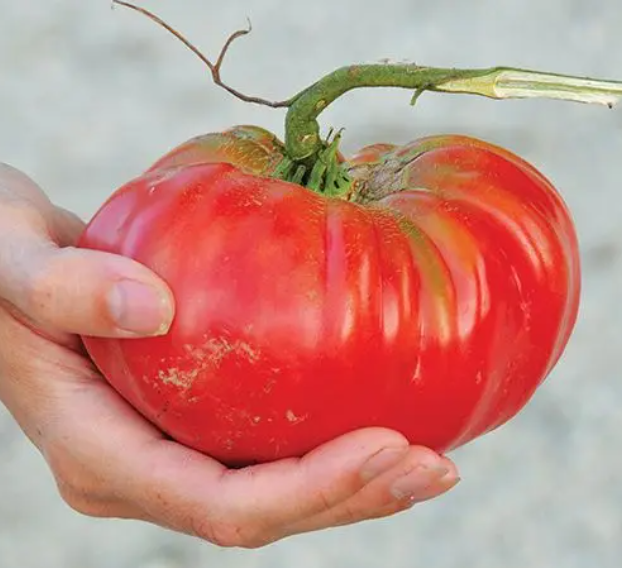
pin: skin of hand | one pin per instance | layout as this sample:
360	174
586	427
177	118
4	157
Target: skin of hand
110	462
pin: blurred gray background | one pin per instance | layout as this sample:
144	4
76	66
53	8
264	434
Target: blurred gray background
90	96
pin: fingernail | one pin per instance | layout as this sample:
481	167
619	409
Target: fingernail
139	309
381	461
419	478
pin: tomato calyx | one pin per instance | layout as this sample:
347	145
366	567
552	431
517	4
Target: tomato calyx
325	174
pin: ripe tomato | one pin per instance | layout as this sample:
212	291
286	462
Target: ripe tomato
433	300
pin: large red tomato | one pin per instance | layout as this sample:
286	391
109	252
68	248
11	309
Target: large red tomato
433	300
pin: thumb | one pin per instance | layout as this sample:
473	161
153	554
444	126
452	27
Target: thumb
82	291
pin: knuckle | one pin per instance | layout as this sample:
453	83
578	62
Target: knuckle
79	488
19	212
326	496
15	182
40	285
205	529
82	502
325	501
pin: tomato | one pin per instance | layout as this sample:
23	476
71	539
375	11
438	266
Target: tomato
433	299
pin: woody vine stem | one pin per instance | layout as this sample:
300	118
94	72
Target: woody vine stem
303	142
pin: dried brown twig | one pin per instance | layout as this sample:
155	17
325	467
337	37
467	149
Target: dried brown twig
215	68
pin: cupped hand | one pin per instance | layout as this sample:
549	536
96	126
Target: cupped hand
106	459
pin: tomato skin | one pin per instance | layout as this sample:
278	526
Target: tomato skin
435	305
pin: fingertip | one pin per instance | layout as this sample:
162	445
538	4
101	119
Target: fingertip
139	308
421	475
129	299
452	468
434	490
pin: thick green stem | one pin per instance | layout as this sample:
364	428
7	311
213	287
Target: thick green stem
302	133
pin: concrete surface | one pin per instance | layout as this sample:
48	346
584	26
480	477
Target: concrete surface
90	96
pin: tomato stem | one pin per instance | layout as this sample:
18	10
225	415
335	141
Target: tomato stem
302	133
313	160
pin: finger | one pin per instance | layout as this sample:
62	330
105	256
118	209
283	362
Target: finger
76	291
258	505
397	490
82	291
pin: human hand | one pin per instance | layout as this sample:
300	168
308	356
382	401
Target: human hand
110	462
